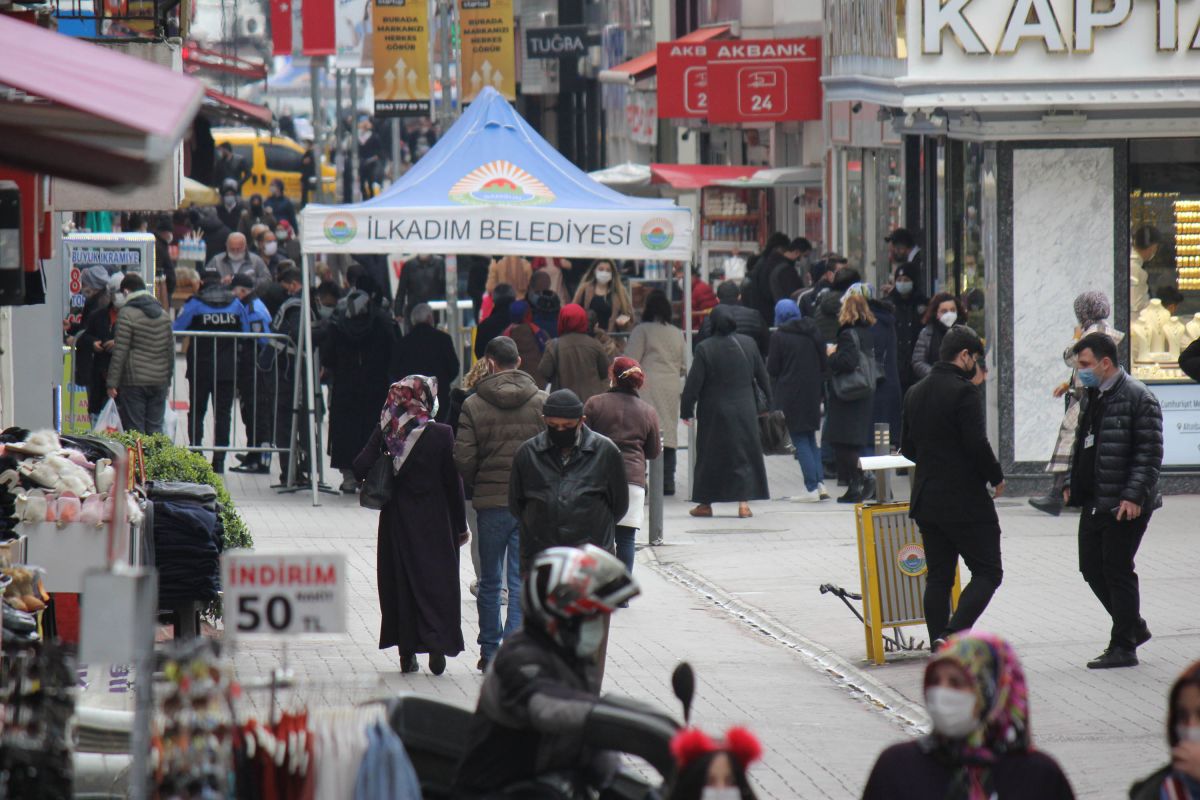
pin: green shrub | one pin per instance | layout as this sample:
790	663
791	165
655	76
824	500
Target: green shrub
167	462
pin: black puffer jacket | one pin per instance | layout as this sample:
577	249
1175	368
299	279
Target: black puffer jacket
1129	447
570	504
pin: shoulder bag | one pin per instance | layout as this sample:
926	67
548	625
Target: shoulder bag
773	431
376	490
859	383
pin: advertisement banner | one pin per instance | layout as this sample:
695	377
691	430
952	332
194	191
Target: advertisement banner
767	80
73	399
683	79
353	34
488	48
400	49
284	594
482	229
115	252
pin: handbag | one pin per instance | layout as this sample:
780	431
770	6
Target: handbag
376	490
773	431
859	383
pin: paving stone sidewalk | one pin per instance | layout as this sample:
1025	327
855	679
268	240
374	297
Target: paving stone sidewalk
1107	728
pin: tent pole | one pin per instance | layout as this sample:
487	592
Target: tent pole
315	70
309	375
453	318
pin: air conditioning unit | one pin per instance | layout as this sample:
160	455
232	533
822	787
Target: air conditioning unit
251	26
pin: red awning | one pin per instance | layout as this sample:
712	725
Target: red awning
88	112
644	66
696	176
198	59
225	108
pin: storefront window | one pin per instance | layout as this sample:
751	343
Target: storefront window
889	208
1164	258
971	280
855	205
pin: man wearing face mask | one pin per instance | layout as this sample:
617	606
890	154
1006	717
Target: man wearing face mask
540	690
280	205
909	304
945	434
1113	480
268	250
238	259
903	249
787	273
231	207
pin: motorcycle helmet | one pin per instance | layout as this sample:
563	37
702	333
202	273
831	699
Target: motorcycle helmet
570	590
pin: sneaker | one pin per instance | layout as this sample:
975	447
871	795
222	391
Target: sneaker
475	588
1114	658
808	497
822	491
349	486
504	597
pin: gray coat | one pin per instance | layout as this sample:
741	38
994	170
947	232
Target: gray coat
729	457
660	349
144	349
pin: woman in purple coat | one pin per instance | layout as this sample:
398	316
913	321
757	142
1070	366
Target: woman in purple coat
420	529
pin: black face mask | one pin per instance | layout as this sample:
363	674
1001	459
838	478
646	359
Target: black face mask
562	438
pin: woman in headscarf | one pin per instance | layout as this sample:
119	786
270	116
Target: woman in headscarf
659	347
1091	312
421	527
603	292
632	424
798	368
1179	780
575	360
530	338
728	381
980	747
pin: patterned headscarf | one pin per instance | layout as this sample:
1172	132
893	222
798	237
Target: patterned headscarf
626	374
411	402
865	289
1091	307
999	683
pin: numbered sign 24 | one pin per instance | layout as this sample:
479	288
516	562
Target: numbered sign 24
284	594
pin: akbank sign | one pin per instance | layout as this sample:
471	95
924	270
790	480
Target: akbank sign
1048	40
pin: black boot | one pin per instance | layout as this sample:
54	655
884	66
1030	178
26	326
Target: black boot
668	458
854	494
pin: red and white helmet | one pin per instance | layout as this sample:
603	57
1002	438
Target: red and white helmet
571	584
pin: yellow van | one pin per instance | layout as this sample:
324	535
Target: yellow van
270	157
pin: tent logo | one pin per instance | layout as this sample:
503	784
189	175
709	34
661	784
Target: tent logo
657	234
340	228
500	183
911	560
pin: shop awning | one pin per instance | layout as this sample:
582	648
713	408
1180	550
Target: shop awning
197	59
688	177
777	177
224	108
87	112
644	66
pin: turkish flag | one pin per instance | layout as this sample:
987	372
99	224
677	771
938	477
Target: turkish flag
319	27
281	27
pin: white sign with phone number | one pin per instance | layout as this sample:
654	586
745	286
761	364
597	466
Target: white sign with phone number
284	594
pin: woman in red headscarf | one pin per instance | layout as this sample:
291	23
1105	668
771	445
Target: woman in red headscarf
575	360
632	424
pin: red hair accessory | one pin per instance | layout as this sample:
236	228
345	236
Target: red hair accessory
692	743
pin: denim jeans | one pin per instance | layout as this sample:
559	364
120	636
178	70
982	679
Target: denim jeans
499	548
810	459
627	546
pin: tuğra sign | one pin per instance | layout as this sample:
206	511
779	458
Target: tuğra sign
568	41
1049	41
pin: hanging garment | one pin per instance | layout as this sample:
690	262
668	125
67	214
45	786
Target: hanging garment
386	773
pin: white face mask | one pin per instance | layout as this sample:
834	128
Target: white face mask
230	201
952	711
591	634
324	312
904	288
237	257
1188	733
270	248
949	318
603	277
721	793
281	234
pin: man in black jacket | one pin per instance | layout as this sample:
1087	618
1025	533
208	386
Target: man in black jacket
568	483
749	322
422	279
1114	481
945	434
425	350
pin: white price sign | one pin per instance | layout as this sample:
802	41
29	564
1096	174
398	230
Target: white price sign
284	594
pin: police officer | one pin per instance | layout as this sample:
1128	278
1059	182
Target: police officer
256	395
211	363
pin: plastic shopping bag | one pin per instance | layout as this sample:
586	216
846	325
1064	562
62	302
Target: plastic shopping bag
109	420
171	423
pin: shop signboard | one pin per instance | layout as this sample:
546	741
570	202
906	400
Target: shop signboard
73	399
488	48
1180	404
283	594
683	79
116	252
767	80
565	41
400	52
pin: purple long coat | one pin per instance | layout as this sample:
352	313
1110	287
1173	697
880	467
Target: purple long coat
417	560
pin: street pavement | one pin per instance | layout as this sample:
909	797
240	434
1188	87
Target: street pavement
739	600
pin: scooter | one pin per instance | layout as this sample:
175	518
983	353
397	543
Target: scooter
435	734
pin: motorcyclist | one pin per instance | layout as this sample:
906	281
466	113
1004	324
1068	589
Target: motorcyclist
543	683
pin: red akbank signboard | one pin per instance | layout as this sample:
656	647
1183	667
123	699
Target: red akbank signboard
683	79
758	80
